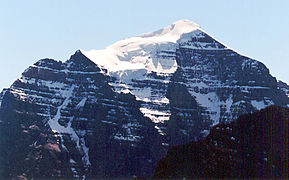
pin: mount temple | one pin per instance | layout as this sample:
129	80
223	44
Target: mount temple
115	112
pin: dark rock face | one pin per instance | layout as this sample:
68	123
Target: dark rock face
254	146
211	87
212	84
284	87
64	120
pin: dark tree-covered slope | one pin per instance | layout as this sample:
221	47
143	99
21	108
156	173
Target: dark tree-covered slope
254	146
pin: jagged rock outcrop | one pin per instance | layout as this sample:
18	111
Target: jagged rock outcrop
284	87
254	146
64	117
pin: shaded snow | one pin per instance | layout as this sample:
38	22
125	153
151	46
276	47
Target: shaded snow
1	96
54	125
67	94
258	104
159	131
155	115
81	103
85	158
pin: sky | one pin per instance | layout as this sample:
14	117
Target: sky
31	30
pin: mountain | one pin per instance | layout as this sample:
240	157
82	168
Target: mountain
115	112
65	117
180	72
254	146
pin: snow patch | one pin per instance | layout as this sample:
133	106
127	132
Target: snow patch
60	130
2	94
127	138
81	103
205	133
85	158
211	102
159	130
155	115
258	104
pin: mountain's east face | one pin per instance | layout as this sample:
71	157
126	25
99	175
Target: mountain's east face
114	112
254	146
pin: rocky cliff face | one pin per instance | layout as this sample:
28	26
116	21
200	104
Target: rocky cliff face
254	146
219	86
284	87
115	112
67	114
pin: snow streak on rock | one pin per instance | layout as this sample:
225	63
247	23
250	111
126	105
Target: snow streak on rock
60	129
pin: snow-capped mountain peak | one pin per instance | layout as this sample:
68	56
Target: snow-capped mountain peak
145	51
141	52
174	31
136	60
176	82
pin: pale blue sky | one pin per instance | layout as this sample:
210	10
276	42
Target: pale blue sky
33	29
